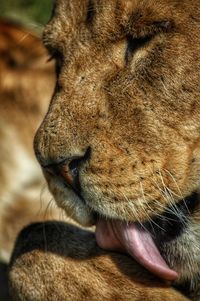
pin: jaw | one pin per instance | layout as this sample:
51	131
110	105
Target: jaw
180	248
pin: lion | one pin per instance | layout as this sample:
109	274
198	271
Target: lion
120	149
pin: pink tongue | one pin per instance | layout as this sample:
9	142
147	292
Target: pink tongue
117	235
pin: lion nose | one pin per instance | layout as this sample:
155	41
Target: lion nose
68	171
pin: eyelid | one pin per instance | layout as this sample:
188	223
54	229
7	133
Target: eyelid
133	44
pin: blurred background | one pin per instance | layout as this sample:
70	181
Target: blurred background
32	13
22	55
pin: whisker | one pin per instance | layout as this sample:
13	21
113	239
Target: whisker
47	208
135	213
165	194
150	220
175	182
177	211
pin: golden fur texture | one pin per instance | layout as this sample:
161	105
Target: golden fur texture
127	102
23	101
69	266
136	110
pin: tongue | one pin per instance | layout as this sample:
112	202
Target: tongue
120	236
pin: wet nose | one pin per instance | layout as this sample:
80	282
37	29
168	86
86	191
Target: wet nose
68	171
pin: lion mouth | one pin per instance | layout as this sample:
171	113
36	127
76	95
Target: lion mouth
136	241
143	241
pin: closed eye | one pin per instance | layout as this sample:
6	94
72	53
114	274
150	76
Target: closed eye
133	44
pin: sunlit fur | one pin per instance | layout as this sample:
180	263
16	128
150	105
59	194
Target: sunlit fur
137	110
139	116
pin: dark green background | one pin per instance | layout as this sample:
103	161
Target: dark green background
33	13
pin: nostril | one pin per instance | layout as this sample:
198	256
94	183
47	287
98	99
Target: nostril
73	167
68	170
75	163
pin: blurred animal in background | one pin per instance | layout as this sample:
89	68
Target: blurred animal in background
26	84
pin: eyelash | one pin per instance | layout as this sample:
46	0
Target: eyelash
133	44
57	56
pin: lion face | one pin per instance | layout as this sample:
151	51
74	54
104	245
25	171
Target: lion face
121	139
127	95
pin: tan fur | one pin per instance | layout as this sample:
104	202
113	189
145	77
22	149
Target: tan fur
139	114
140	117
56	262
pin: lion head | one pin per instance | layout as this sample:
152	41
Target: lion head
121	139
